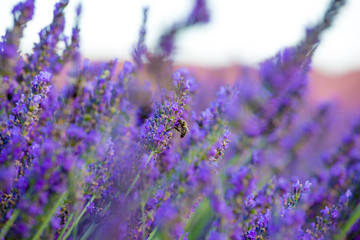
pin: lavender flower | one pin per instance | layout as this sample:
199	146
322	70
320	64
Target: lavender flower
156	133
140	49
22	13
198	15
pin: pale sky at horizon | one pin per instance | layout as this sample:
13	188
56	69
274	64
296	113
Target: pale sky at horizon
240	31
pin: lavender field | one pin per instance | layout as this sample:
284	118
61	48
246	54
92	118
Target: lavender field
141	149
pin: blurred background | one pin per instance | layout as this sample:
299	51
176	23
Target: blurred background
240	33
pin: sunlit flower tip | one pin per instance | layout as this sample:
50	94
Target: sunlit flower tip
345	197
177	78
307	186
36	99
250	201
180	81
296	185
41	78
227	134
325	212
348	193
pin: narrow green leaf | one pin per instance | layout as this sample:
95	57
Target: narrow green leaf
66	225
77	220
9	223
89	231
48	217
350	222
153	233
199	220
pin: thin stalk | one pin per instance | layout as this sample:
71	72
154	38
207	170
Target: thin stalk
93	225
138	175
77	220
132	184
350	222
143	219
74	232
89	231
66	225
48	217
151	236
9	223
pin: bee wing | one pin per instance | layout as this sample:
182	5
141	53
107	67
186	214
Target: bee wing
187	131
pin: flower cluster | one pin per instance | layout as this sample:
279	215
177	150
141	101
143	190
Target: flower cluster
156	133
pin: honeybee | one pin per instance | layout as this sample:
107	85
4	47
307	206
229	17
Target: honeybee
181	127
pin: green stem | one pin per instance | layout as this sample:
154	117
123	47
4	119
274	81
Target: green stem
48	217
132	184
77	220
89	231
74	232
9	223
66	225
138	176
350	222
151	236
117	194
143	219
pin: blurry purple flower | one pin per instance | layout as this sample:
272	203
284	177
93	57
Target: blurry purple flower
251	234
199	14
215	235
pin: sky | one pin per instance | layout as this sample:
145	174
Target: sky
240	31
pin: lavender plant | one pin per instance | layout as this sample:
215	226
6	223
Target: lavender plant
104	156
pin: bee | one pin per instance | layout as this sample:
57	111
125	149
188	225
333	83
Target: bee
181	127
